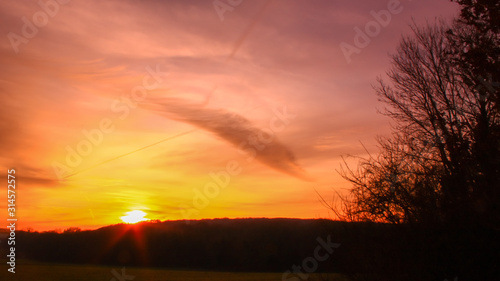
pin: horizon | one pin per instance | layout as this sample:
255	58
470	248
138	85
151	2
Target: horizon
60	230
187	221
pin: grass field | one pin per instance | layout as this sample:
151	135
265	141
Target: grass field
30	271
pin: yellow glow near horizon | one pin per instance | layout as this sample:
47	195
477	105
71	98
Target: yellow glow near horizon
134	216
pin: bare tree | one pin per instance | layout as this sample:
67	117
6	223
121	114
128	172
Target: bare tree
442	163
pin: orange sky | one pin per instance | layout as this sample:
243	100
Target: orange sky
183	111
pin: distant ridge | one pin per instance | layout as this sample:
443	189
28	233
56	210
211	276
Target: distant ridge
244	244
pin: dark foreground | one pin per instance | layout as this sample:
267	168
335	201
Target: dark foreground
225	249
65	272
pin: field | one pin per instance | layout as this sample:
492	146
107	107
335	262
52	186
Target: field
28	271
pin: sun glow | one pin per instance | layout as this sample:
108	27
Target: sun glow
134	216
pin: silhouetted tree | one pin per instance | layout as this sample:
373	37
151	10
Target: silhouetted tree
442	163
476	43
72	230
476	50
484	15
439	172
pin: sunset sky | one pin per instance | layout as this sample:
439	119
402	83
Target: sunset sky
189	109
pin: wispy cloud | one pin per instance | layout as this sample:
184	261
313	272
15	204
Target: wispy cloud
232	128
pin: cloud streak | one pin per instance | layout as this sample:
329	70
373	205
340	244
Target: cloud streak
230	127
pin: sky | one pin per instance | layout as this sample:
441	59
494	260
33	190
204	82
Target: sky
191	109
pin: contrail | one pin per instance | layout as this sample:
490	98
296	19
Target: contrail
137	150
247	31
234	50
239	43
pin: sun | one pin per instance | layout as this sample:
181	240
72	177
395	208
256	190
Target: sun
134	216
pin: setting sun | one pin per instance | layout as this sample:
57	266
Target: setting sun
134	217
